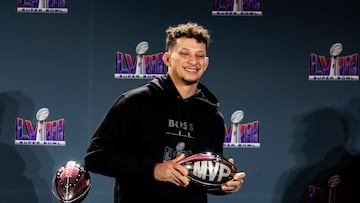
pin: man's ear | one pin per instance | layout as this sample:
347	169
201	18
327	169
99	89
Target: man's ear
206	63
166	58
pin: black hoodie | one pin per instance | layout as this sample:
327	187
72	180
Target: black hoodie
149	125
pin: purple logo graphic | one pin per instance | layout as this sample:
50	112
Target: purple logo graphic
42	6
142	67
236	8
42	133
244	135
336	67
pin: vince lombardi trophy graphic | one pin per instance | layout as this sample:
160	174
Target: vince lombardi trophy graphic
335	50
41	116
237	5
141	49
43	3
179	148
236	118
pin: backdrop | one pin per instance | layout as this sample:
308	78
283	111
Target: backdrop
259	64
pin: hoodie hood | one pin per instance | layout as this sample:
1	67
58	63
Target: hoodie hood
203	94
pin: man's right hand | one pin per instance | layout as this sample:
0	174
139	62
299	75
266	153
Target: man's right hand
171	171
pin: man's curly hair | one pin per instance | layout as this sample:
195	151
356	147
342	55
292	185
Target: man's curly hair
189	30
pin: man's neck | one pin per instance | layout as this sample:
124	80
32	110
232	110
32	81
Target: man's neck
186	91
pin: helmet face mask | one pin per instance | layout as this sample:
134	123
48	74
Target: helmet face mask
71	182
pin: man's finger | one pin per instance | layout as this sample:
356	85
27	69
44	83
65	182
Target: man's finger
181	156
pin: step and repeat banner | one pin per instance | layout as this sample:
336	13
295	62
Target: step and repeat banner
286	75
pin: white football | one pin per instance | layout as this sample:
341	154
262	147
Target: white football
142	47
336	49
237	116
42	114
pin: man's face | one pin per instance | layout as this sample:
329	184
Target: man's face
186	61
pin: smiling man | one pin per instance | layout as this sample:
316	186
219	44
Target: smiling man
149	129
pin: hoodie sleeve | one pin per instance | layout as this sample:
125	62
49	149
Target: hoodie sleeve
218	146
112	151
220	131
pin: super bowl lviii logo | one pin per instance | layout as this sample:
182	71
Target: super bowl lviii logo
42	6
42	133
237	8
142	66
242	135
335	67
